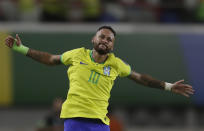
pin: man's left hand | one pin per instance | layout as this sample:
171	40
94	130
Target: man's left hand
182	89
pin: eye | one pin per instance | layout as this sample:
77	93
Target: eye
109	39
102	36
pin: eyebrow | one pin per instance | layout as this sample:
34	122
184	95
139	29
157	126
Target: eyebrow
106	35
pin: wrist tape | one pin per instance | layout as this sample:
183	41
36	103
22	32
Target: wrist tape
21	48
168	86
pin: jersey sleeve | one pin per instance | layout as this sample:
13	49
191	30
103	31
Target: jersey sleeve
67	57
124	69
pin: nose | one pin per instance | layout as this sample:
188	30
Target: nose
104	41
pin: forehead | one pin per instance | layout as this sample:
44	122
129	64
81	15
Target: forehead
105	32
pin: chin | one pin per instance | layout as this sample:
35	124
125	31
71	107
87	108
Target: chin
102	52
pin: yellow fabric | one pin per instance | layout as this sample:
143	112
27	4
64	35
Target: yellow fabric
90	84
6	95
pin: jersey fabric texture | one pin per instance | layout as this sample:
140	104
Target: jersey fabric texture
90	84
83	124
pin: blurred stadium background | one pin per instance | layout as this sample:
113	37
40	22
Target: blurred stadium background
163	38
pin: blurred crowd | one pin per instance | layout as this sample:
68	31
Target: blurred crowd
139	11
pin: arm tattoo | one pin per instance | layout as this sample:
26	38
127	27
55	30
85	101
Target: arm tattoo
151	82
43	57
147	80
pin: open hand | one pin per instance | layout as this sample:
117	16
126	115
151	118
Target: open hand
9	41
182	89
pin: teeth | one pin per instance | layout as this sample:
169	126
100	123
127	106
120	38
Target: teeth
104	45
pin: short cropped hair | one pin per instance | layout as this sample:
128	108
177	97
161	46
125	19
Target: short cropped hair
107	27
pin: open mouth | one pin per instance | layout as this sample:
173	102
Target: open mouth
103	46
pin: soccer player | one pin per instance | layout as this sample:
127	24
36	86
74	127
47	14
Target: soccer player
91	74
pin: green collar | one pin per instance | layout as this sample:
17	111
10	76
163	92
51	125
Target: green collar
92	59
91	56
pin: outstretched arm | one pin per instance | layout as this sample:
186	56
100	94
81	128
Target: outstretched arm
177	87
42	57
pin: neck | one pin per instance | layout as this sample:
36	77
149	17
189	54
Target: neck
98	58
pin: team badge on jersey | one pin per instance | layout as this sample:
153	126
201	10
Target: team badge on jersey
106	70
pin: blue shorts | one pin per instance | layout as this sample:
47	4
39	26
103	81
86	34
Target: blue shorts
85	124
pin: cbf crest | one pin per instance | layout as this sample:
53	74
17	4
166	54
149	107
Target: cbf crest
106	70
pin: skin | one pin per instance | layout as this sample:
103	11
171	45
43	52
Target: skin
42	57
103	42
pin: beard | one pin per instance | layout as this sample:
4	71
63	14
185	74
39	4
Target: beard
100	50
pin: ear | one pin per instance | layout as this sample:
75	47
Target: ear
93	39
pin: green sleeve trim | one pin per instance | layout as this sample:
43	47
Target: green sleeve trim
91	55
130	71
21	48
61	59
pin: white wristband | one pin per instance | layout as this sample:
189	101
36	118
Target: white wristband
168	86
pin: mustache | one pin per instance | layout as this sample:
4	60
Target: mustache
103	44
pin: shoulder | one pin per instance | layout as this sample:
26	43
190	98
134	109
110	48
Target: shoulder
68	56
116	61
122	67
119	61
76	51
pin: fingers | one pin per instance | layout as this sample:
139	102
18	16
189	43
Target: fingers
188	89
9	41
187	86
184	94
18	40
190	92
183	89
178	82
187	93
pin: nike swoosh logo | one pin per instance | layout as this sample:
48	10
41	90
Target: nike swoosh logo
83	63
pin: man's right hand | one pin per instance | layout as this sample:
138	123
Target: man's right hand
16	44
11	40
42	57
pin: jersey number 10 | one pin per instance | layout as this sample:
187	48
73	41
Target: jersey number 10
94	77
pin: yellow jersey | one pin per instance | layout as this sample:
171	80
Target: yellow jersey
90	84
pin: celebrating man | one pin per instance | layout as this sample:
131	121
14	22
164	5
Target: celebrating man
91	74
